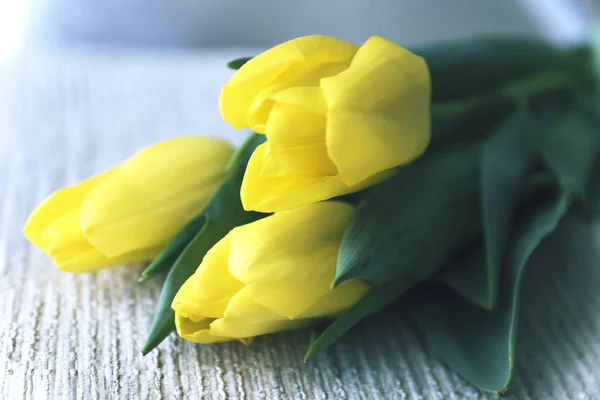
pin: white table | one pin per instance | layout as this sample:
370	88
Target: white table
66	115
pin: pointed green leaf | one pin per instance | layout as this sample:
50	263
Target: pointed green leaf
223	213
506	159
373	301
164	318
165	259
408	226
238	62
467	273
479	344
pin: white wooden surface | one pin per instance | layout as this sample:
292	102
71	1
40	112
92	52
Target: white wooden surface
67	115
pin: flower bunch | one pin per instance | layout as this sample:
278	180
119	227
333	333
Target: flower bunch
374	175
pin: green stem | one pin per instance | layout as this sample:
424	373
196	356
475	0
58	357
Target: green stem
577	74
459	119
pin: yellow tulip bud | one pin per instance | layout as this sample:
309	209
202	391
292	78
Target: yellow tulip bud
268	276
337	117
130	212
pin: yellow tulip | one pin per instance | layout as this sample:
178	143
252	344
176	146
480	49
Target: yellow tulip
337	117
268	276
129	213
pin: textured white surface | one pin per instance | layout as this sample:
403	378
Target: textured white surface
68	115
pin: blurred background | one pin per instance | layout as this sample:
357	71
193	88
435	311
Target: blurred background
217	23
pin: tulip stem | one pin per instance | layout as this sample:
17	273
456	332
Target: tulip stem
474	116
573	68
515	90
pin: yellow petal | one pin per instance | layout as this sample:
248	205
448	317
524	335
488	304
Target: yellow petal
309	98
153	194
379	114
207	293
266	189
302	91
197	332
267	192
64	235
338	300
184	303
56	205
280	64
288	260
296	139
90	259
67	245
261	107
245	318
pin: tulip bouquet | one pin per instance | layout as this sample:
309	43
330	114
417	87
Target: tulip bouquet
374	175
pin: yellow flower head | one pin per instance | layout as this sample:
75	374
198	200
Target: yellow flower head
337	117
268	276
130	212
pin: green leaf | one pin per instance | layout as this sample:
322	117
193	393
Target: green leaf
506	159
551	128
238	62
169	254
590	195
466	273
464	68
592	199
479	344
164	318
596	50
408	226
373	301
571	150
242	154
223	213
